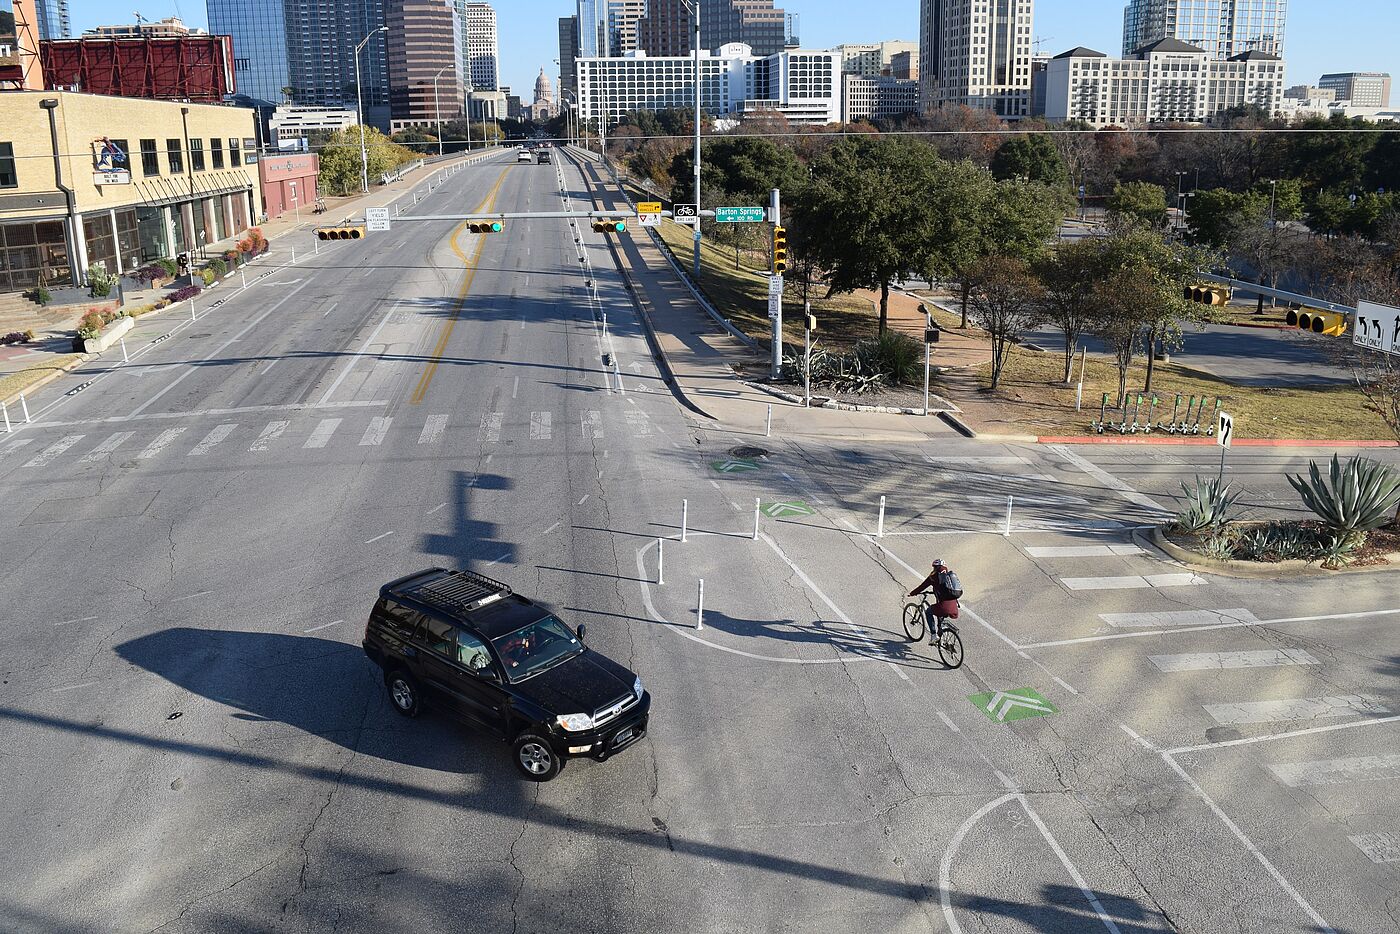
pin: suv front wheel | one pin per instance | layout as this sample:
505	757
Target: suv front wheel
403	693
535	758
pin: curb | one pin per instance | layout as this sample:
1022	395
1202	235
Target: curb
45	380
1199	441
842	406
1250	570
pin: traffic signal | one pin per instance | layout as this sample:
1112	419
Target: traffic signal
1205	294
780	259
609	226
352	232
811	322
1318	322
485	226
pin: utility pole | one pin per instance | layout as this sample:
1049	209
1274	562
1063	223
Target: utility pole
360	103
694	7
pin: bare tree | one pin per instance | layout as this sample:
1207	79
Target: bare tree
1069	274
1005	297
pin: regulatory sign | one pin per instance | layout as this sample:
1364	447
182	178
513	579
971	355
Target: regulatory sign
1224	431
793	507
1012	704
377	219
775	296
648	207
685	213
748	215
1377	327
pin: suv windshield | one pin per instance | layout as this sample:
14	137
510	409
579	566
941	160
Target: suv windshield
535	647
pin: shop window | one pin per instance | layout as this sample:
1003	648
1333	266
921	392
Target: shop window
176	155
150	158
216	152
235	155
8	178
197	155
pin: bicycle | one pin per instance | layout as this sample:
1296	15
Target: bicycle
949	642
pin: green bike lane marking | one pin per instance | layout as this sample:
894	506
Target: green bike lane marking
1012	704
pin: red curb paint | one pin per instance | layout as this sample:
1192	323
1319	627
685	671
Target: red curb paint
1238	442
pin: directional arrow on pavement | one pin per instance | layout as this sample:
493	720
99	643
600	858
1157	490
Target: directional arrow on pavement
733	465
1012	704
635	367
794	507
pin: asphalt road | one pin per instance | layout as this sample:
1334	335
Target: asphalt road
192	740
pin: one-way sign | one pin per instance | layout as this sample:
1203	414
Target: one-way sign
1224	431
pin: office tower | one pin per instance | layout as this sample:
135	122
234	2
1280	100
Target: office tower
1360	88
568	52
426	62
622	25
967	56
51	17
766	29
592	28
1224	28
479	34
666	29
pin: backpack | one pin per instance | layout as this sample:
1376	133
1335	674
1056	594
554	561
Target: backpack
949	585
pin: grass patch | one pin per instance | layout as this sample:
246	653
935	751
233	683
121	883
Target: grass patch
17	382
1244	314
1037	404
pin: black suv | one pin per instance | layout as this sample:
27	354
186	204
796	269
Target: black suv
483	653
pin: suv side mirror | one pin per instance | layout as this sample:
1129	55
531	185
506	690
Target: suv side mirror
581	630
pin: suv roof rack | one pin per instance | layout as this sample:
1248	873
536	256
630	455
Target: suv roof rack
460	590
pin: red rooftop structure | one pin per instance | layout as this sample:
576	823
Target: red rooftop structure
186	68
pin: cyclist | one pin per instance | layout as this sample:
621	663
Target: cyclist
946	589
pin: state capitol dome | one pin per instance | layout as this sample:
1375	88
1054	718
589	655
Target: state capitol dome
544	90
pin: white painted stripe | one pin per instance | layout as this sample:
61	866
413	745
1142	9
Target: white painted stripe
1022	499
1286	734
1084	551
433	429
190	596
1147	633
161	441
1171	618
211	439
355	357
321	434
378	537
541	427
948	721
53	450
592	424
1133	581
106	447
378	428
1338	771
80	619
203	413
1203	661
1107	479
638	423
491	426
977	459
1060	681
324	626
14	446
1297	708
436	508
269	435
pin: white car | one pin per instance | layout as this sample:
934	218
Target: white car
524	156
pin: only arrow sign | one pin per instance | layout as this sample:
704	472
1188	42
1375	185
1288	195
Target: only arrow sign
1012	704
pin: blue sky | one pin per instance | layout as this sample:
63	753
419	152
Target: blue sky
1338	35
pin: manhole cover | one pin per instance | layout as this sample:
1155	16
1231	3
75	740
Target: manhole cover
748	451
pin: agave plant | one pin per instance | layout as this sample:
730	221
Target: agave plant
1353	499
1208	505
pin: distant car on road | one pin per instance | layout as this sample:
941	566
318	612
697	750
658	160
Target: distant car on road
545	157
524	156
473	648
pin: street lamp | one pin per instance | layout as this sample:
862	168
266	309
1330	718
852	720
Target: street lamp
569	114
437	108
693	7
360	103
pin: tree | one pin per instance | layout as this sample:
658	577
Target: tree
1142	201
340	159
1005	297
1032	158
413	137
1211	215
747	167
1068	275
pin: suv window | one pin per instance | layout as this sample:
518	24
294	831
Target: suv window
472	652
441	637
533	648
401	619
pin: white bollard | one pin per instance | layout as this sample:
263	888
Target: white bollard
25	406
768	425
6	410
294	256
191	307
125	358
1007	533
685	503
880	525
700	607
243	277
755	518
660	561
316	245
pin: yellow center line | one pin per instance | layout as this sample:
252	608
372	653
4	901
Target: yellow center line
469	273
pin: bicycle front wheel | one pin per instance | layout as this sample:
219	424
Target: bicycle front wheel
914	621
950	647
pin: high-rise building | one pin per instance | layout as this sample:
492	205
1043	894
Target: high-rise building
666	29
1359	88
976	53
568	52
756	23
426	56
51	16
592	28
622	25
479	34
1224	28
873	59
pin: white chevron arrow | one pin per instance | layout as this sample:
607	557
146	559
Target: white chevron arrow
1002	703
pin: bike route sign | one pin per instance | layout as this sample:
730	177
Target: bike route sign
747	215
1012	704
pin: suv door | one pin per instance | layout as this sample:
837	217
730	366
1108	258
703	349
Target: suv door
466	692
482	690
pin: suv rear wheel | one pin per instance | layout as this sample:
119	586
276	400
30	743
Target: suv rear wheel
403	693
535	758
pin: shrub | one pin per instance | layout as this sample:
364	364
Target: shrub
208	276
231	258
17	337
245	246
897	357
179	295
140	310
218	267
100	281
171	269
40	293
29	335
1352	499
148	274
1208	506
161	303
94	321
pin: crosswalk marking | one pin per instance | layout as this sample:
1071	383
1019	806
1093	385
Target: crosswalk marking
106	447
491	426
378	428
638	423
1297	708
541	428
592	424
1338	771
211	439
53	450
1084	551
269	435
433	429
1133	581
14	446
1170	618
321	434
1203	661
158	445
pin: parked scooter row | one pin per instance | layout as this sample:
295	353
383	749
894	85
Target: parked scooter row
1178	424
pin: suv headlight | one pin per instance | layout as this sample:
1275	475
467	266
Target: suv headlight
637	687
574	722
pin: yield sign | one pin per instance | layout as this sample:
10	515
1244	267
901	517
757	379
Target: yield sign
733	465
1012	704
793	507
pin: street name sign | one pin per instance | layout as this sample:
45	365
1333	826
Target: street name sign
747	215
1377	327
377	219
685	213
775	296
1012	704
1224	431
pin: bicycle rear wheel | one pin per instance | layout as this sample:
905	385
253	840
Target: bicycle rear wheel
950	647
914	621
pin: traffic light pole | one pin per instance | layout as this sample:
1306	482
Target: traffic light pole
775	217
